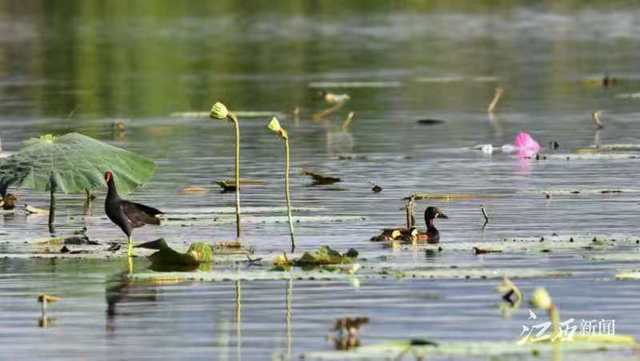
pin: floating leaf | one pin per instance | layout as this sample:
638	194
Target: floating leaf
229	185
473	273
615	257
448	197
166	258
320	179
629	275
325	256
76	162
485	349
225	276
603	148
592	156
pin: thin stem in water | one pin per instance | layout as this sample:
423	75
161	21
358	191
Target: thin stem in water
496	98
52	203
287	194
234	120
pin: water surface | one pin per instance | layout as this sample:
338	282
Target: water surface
81	65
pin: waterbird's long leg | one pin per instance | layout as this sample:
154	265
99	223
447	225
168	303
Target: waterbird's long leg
130	246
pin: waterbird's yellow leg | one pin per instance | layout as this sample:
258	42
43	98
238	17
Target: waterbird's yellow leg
130	247
130	264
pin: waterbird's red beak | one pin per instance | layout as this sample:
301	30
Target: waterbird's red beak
108	176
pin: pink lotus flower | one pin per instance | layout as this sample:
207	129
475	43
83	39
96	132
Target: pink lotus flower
525	145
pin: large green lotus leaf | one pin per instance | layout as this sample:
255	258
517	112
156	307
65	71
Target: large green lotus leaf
77	163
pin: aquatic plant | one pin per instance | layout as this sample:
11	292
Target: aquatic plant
323	256
220	111
321	179
275	127
496	98
596	119
168	259
45	299
72	163
541	299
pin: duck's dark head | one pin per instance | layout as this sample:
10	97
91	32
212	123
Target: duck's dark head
433	212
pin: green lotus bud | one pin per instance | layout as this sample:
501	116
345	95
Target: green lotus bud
541	299
274	126
219	111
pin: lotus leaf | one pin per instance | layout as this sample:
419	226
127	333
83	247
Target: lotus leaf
75	163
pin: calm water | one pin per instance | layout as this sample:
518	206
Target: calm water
81	65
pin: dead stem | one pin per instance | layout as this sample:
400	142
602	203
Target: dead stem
496	98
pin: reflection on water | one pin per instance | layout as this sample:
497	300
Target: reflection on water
88	65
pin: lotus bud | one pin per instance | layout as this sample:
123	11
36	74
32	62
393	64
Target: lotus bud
541	299
274	126
219	111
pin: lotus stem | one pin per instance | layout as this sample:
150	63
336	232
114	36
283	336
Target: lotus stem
274	126
238	314
410	210
541	299
496	98
234	120
596	119
347	121
289	314
554	315
287	193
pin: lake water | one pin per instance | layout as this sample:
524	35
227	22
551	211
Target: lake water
81	65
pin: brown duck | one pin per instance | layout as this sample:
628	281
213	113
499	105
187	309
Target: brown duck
432	235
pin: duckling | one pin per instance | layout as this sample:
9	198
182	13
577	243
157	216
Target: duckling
412	234
8	202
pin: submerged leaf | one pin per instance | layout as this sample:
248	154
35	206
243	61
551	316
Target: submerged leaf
325	256
75	162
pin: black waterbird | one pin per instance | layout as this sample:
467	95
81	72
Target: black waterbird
127	215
